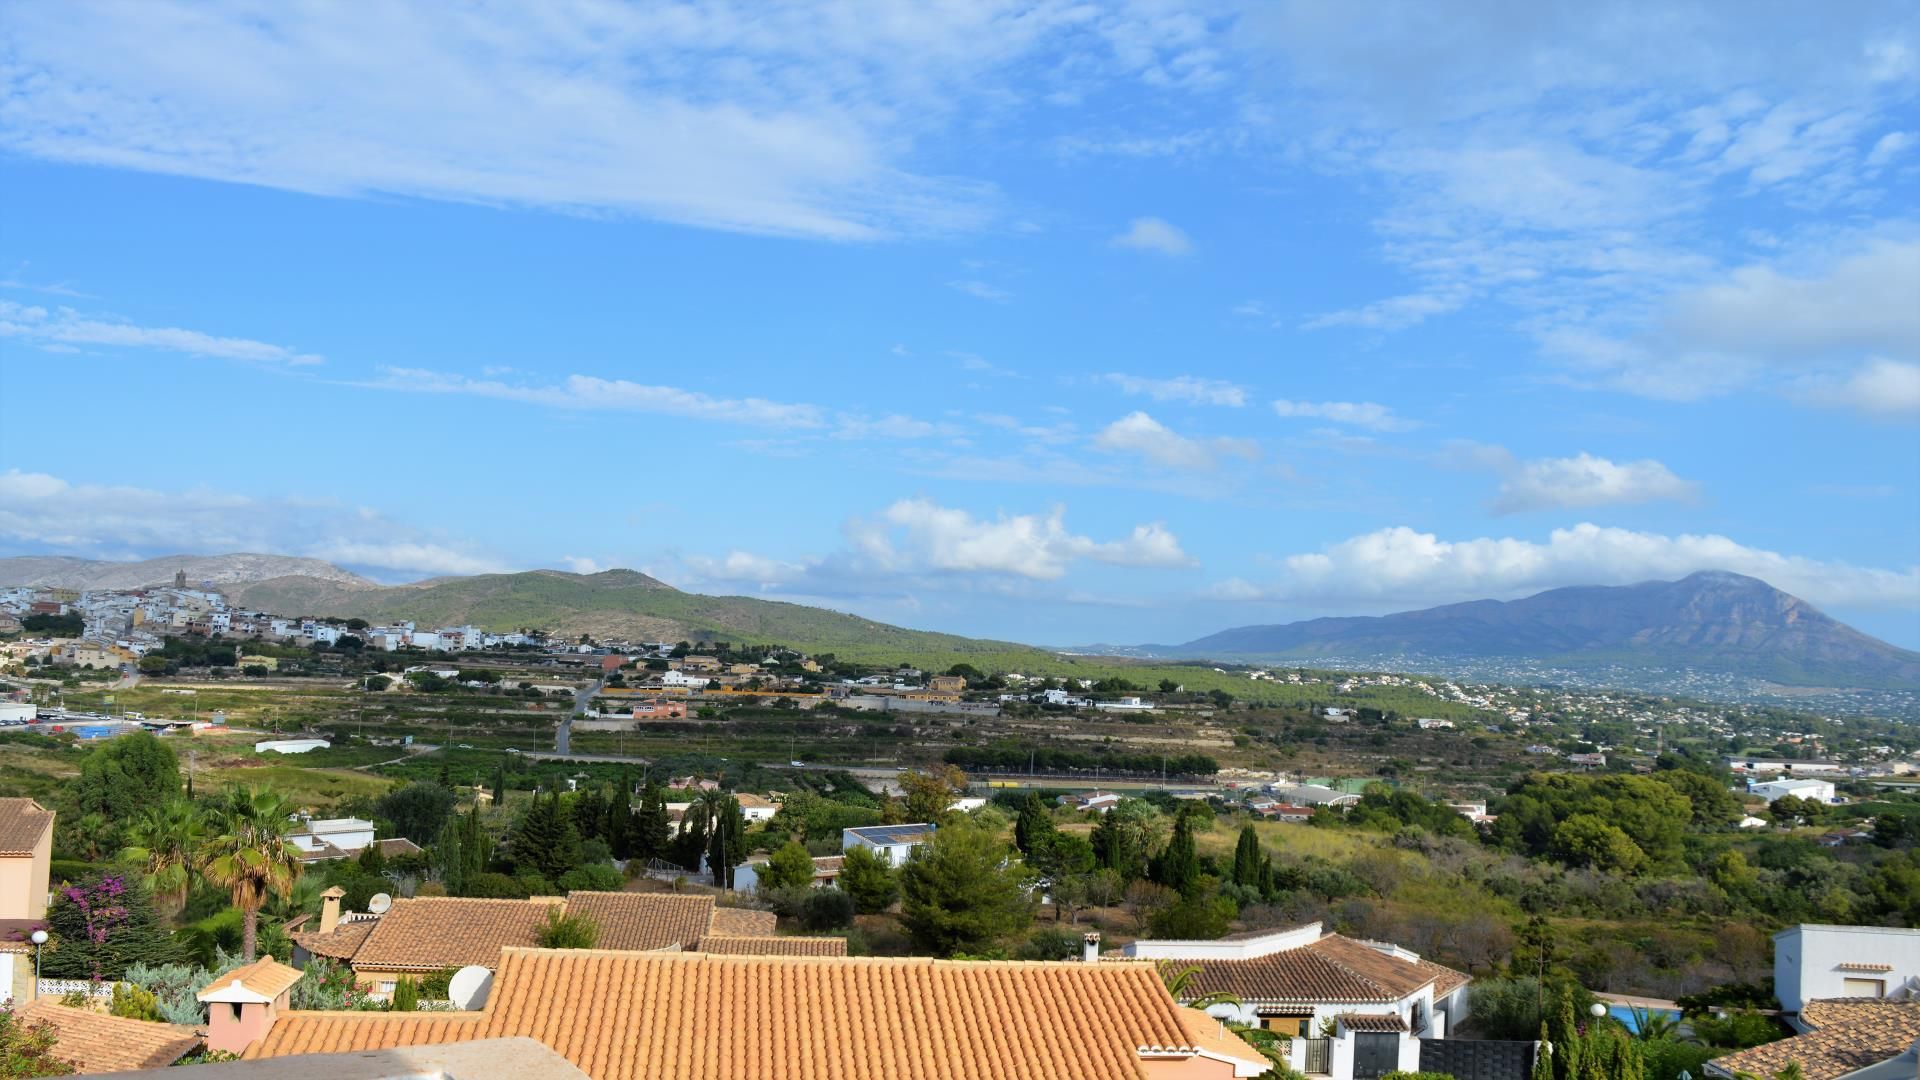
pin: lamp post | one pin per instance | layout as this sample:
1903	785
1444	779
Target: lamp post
39	938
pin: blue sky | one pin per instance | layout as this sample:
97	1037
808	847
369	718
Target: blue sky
1058	322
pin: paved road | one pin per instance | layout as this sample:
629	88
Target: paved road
563	738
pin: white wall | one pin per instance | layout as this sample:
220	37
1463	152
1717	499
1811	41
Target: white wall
1243	949
1807	959
7	960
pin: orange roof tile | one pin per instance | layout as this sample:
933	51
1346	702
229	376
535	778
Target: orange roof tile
772	945
22	823
1211	1037
265	977
1848	1034
96	1043
341	943
742	922
1332	969
629	920
430	933
697	1016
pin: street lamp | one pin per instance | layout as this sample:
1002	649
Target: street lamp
1597	1010
39	938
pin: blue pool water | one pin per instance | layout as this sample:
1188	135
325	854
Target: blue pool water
1625	1014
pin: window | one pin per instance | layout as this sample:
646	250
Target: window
1419	1016
1283	1025
1870	988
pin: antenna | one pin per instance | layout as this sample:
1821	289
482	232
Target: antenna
469	987
379	903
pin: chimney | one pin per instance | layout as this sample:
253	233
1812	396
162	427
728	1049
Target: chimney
1090	951
330	909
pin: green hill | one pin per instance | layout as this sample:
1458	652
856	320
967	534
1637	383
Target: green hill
618	604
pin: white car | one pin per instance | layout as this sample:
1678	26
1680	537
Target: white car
797	764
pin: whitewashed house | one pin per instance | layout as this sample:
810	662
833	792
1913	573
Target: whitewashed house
896	842
1815	790
1811	962
1349	1008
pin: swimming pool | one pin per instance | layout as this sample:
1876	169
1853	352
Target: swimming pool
1626	1015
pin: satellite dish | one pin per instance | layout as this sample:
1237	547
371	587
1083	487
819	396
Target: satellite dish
469	987
379	903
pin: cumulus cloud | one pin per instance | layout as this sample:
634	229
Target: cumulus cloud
1138	433
618	395
1366	414
1154	235
1400	567
45	512
66	330
1585	481
1188	388
921	532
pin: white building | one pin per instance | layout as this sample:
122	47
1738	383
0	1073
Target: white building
1814	790
1811	962
826	871
1378	999
896	842
347	834
290	746
1125	704
681	678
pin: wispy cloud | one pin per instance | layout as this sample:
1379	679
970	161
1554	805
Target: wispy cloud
1142	435
981	290
1187	388
617	395
43	512
1154	235
1363	414
66	330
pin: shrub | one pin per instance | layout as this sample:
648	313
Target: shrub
598	878
1049	944
826	909
866	876
134	1003
406	995
492	886
567	931
434	987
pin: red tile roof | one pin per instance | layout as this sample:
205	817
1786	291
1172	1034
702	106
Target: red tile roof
98	1043
1848	1034
22	823
1332	969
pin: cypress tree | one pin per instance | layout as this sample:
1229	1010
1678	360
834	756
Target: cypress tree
1034	825
545	840
727	846
1542	1056
1246	859
1178	865
652	829
500	782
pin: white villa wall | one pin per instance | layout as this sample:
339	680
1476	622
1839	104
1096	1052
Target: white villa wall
1807	959
1243	949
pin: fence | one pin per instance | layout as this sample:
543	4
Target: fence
1319	1056
62	987
1477	1059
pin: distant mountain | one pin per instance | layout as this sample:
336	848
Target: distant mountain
60	572
612	603
1710	621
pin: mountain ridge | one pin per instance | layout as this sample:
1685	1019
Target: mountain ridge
68	572
1711	620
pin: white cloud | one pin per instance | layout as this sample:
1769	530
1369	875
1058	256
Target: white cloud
63	329
1401	568
1138	433
1585	480
582	564
981	290
1880	386
1187	388
1393	313
1366	414
1890	146
919	532
1153	234
46	512
619	395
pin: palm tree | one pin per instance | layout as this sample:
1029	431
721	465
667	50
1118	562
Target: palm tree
1650	1026
1179	981
164	840
250	856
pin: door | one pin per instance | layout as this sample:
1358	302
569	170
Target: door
1375	1054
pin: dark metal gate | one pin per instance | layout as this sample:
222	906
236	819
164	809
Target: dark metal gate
1319	1056
1478	1059
1375	1054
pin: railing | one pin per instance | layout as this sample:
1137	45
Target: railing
1319	1056
61	987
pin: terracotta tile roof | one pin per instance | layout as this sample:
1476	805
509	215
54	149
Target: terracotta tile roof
430	933
1849	1034
1373	1021
97	1043
642	920
771	945
742	922
1332	969
1445	979
794	1018
1209	1036
341	943
22	823
265	977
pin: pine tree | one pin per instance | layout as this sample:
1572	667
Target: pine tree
1247	859
545	839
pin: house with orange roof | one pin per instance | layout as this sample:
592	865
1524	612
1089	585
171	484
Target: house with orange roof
243	1004
1350	1009
26	860
702	1016
429	934
1841	1039
95	1042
